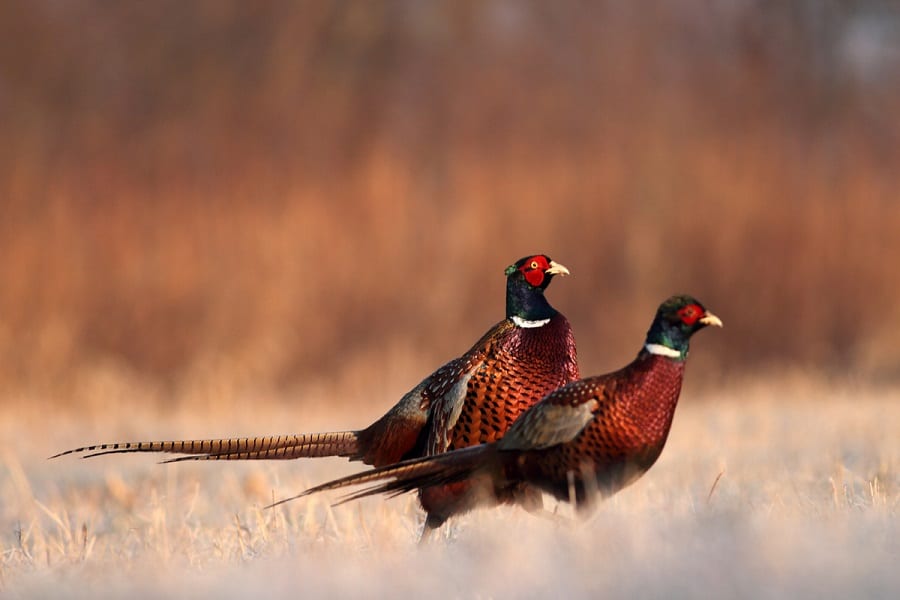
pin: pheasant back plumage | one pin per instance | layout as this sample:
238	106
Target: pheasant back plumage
632	414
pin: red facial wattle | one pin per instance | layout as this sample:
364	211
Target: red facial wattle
690	314
533	270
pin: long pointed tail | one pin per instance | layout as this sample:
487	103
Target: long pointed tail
413	474
302	445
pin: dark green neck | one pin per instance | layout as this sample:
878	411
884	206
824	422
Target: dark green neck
526	301
670	336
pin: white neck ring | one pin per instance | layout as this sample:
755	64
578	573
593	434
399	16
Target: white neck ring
661	350
519	321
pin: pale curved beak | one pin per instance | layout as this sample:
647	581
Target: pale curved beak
710	319
557	269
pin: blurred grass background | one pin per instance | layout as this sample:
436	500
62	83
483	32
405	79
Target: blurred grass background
231	218
276	194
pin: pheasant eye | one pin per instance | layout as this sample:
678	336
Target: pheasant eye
534	264
690	313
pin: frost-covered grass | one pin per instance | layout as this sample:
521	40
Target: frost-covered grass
780	491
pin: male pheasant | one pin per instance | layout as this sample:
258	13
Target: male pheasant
470	400
587	439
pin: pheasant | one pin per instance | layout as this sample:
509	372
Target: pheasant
586	440
470	400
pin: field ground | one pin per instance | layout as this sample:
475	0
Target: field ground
807	505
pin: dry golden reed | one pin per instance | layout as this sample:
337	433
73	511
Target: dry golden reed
271	194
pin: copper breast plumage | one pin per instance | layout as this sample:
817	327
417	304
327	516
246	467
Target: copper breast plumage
521	368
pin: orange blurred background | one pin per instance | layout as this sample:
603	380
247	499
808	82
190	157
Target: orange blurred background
277	190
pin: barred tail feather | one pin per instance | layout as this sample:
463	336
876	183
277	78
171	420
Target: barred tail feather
410	475
314	445
306	445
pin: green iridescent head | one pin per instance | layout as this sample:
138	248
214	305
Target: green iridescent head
677	319
526	280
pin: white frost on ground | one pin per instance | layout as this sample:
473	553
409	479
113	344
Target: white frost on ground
808	507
